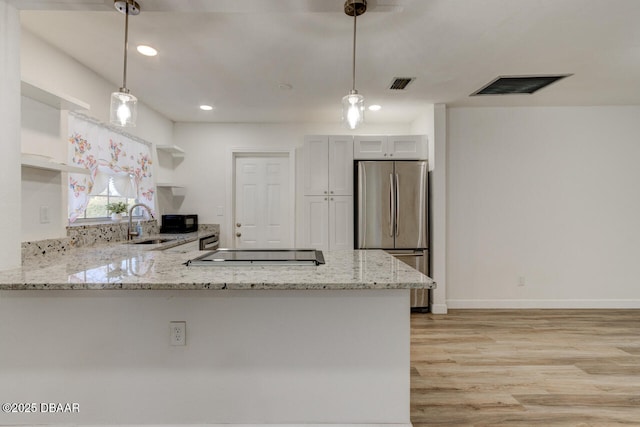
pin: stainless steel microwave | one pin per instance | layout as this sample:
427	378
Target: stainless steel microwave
179	223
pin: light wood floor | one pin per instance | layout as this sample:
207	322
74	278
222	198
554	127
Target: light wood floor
526	368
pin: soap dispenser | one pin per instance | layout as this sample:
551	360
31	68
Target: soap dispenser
139	229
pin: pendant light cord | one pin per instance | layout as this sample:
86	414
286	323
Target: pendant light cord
126	43
355	16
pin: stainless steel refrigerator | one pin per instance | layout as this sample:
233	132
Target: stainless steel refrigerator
392	214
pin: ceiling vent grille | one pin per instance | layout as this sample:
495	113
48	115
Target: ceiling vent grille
510	85
401	83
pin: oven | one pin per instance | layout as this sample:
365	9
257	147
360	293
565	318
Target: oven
210	243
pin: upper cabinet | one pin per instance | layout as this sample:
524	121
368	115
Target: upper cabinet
328	162
395	147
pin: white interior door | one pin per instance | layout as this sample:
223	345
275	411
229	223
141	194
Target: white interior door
262	203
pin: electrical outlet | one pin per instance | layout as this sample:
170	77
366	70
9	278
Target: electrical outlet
521	280
178	333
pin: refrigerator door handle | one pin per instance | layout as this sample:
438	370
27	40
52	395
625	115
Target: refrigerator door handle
397	216
392	207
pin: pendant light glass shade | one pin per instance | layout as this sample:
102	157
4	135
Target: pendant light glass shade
124	109
353	110
124	106
353	102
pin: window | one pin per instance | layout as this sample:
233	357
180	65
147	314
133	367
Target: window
97	206
119	166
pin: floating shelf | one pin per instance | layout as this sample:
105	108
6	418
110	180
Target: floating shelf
174	150
41	162
168	185
52	98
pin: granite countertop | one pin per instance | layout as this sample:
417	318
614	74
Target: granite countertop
126	266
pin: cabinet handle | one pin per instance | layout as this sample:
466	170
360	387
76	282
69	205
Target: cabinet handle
391	155
238	224
331	198
331	192
385	154
325	198
238	234
325	192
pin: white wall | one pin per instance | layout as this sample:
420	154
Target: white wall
424	124
44	128
267	357
9	136
433	123
204	170
547	194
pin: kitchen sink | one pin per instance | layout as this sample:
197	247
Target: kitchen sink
149	241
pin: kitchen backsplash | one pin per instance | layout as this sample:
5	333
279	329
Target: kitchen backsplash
95	234
91	235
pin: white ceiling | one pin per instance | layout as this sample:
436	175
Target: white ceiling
234	54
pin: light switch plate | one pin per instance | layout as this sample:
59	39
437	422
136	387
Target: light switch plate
44	215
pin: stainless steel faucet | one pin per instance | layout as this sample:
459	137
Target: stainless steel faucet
130	233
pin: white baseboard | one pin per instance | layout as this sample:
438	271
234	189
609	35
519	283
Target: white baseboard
439	308
247	425
542	303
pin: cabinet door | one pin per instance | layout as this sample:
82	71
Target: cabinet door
340	222
316	165
316	223
341	165
407	147
370	147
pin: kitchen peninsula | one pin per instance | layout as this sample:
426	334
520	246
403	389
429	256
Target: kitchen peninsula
325	344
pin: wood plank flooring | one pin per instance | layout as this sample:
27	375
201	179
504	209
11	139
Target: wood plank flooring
526	368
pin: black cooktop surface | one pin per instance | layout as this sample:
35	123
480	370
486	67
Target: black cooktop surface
234	257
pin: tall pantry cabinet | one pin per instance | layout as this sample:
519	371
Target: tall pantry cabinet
328	193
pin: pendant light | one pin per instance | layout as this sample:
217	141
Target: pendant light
123	111
353	102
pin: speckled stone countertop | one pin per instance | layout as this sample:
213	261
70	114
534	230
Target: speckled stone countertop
131	267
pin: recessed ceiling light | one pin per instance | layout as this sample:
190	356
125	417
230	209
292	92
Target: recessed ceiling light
375	107
206	107
285	86
147	50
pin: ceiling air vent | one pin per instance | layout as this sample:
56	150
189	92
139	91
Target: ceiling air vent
509	85
401	83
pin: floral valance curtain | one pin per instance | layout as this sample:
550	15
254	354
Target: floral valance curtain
106	152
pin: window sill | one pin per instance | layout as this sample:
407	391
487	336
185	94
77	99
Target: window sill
106	221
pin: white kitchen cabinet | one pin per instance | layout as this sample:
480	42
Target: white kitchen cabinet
340	222
394	147
328	165
316	218
328	222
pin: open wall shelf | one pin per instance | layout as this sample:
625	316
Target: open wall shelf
41	162
52	98
174	150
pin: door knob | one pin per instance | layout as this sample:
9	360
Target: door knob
238	224
238	234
